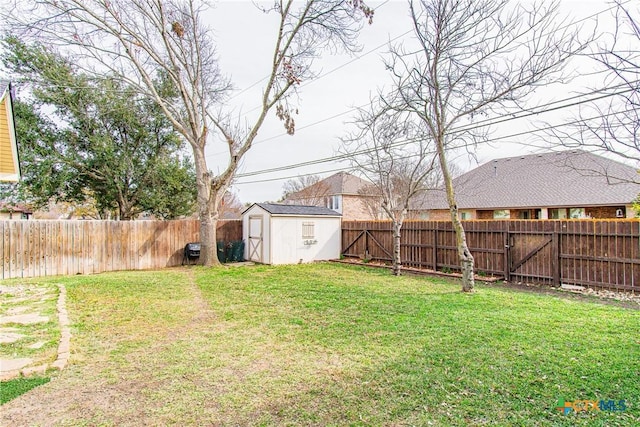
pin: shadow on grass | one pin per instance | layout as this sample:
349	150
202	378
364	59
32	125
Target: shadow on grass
11	389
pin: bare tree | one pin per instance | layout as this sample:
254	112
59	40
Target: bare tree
474	57
146	41
305	190
398	170
231	207
612	125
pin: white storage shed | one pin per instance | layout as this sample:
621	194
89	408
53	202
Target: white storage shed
290	234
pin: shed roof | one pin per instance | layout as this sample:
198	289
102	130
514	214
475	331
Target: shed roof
566	178
279	209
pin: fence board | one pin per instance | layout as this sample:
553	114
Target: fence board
44	248
594	253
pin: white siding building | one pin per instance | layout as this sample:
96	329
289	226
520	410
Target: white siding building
290	234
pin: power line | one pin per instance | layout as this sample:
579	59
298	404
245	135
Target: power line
356	58
489	122
324	75
293	176
507	116
397	37
411	30
347	168
502	119
405	142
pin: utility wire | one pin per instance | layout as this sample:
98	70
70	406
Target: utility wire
465	128
507	117
570	24
329	72
489	122
405	142
346	168
340	66
397	37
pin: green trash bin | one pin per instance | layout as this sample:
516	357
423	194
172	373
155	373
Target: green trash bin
236	251
222	252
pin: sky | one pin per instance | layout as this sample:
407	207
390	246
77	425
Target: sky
244	36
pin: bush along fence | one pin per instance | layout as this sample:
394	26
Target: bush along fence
600	254
47	248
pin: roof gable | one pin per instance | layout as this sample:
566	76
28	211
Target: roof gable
567	178
345	183
338	183
9	161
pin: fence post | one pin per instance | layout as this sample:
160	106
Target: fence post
435	248
507	264
555	257
366	242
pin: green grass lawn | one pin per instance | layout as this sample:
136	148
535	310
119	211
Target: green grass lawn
326	344
17	386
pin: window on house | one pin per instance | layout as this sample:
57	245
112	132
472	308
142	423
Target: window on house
332	202
575	213
465	215
557	213
502	214
308	230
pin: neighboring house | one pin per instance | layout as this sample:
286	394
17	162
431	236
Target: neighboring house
9	162
8	211
342	192
557	185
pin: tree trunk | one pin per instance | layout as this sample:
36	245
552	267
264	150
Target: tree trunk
464	255
207	210
208	238
397	261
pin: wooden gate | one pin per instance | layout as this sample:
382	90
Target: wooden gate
361	245
533	257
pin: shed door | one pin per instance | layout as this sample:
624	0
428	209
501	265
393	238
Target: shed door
255	238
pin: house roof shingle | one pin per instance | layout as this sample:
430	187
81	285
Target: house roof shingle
279	209
567	178
341	183
344	183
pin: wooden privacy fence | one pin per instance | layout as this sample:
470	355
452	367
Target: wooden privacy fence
592	253
47	248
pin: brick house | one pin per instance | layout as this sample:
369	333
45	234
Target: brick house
342	192
556	185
